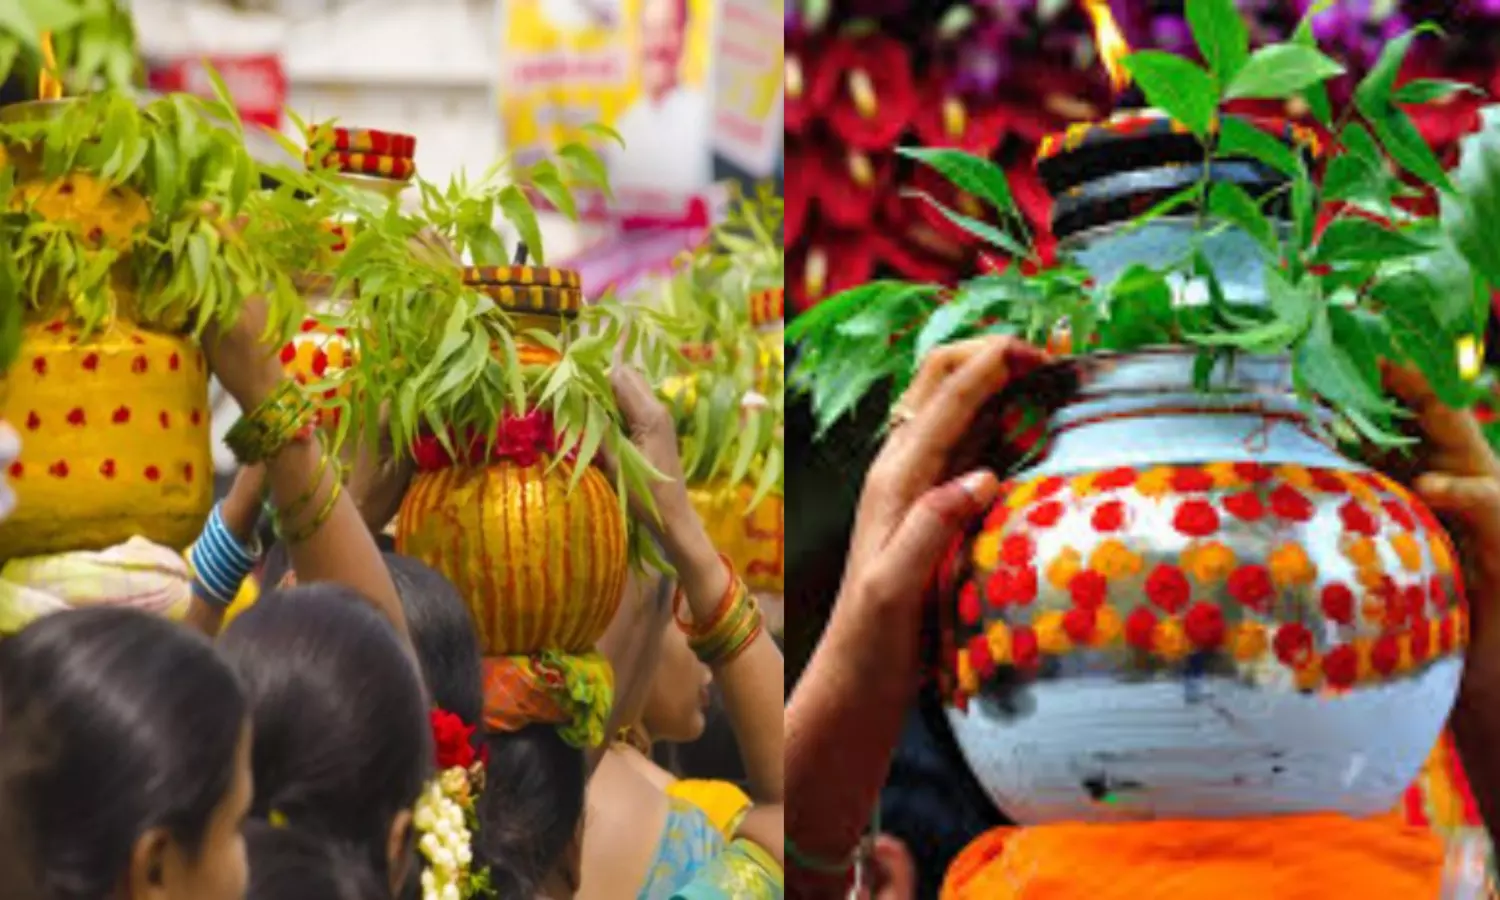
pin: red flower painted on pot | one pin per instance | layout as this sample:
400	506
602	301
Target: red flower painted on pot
1341	666
1024	651
1421	640
979	656
1168	588
1293	644
1253	473
969	611
1251	587
1109	516
1016	550
1139	628
1385	654
1338	604
1078	624
1358	519
1289	503
1400	514
1245	506
1115	479
1046	515
1196	518
1188	480
1089	589
864	86
1328	482
1204	625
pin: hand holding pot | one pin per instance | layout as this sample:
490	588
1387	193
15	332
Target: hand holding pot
244	359
650	428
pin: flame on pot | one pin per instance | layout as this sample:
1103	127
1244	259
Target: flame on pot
49	86
1110	42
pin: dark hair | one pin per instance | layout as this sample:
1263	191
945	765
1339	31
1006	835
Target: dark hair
278	559
290	864
443	634
532	804
112	723
341	736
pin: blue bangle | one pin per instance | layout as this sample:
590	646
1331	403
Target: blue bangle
220	563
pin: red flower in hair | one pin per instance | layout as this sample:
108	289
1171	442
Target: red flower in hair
453	740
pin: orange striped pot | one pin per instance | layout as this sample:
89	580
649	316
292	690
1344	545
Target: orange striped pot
115	435
541	567
754	542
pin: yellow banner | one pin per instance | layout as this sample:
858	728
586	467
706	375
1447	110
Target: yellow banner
639	66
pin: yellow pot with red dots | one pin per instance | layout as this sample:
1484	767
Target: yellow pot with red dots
115	432
755	541
318	353
541	564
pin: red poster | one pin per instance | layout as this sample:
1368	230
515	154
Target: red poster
257	83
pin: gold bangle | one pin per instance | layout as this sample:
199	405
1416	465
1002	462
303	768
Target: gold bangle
732	629
266	430
295	508
321	518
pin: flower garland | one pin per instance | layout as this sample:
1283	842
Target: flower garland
444	817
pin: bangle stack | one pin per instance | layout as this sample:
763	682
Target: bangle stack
220	563
300	505
284	418
735	624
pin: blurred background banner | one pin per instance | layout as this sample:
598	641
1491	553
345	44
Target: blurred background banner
256	81
749	60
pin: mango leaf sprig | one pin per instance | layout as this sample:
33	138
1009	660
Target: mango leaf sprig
1384	254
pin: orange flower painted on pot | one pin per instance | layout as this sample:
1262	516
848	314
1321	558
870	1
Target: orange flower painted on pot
1114	560
1408	550
968	679
1290	566
1358	488
1022	494
1084	485
1296	476
987	550
1155	482
1224	474
1442	553
1170	640
1051	638
1063	567
1362	552
1247	641
998	637
1364	649
1208	563
1309	676
1107	626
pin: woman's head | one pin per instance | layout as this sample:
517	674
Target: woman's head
443	634
294	865
531	813
342	746
678	702
124	759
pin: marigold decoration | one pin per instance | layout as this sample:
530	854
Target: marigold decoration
491	519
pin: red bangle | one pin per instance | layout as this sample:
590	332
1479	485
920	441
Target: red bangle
726	603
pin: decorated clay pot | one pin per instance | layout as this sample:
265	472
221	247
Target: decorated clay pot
1192	607
754	541
541	566
116	436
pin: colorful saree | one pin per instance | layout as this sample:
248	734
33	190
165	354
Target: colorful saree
689	843
742	872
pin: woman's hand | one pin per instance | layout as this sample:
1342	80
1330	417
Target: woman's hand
908	514
245	358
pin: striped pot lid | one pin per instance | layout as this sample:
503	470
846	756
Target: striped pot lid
368	140
522	276
394	168
534	298
767	307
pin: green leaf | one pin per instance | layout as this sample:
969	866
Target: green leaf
1472	218
969	173
1432	90
972	303
1375	91
1139	313
588	166
522	216
982	230
1233	204
549	185
1238	138
1221	36
600	130
1358	239
1316	95
1405	145
1175	86
1280	71
1329	369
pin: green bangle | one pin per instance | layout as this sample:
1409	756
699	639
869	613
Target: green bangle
857	857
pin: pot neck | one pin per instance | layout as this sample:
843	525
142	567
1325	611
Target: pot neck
1144	409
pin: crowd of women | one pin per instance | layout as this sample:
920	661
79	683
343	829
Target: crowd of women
292	750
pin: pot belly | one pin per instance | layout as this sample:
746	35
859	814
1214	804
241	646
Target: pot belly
1099	748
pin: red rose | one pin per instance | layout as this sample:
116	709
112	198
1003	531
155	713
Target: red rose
1385	654
451	738
1109	516
1246	506
1293	644
1338	604
1204	625
1168	588
1251	586
1196	518
1358	519
1139	627
1289	504
1340	666
1089	589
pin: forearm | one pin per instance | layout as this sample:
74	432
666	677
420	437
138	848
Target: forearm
341	550
843	722
753	682
225	554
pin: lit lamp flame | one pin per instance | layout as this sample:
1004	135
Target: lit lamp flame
49	86
1110	42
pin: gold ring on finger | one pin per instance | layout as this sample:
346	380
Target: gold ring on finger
900	415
